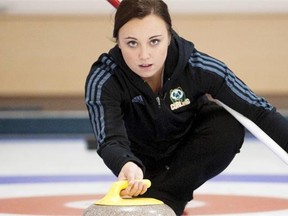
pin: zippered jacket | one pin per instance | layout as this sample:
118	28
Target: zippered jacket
128	118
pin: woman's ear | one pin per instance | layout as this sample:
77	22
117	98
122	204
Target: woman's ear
170	38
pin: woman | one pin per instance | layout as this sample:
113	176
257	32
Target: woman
148	107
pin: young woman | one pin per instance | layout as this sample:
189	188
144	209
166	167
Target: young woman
148	107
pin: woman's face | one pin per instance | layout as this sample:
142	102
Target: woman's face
144	44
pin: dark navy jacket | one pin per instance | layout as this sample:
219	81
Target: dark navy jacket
128	117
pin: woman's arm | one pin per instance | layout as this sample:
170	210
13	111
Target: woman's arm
214	77
103	101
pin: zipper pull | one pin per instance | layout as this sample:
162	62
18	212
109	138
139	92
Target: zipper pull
158	101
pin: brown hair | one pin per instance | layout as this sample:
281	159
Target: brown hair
129	9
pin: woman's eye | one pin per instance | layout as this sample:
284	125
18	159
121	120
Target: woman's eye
132	43
154	42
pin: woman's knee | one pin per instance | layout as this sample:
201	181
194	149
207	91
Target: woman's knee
219	126
230	131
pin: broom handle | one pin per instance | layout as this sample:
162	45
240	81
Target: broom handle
114	3
257	132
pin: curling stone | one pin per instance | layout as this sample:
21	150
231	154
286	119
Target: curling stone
112	204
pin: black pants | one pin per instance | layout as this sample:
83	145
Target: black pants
207	150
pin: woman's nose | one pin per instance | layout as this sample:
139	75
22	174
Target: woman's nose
144	53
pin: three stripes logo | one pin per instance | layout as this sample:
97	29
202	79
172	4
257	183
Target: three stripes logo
138	99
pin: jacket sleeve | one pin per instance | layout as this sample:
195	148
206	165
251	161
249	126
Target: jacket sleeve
215	78
103	101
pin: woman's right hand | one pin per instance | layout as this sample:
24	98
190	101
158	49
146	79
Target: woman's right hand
133	174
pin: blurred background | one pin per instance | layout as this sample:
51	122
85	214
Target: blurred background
48	46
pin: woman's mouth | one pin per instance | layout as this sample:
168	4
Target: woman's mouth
145	65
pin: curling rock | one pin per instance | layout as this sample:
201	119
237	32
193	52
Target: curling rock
143	210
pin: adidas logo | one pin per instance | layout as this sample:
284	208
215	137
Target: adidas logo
138	99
